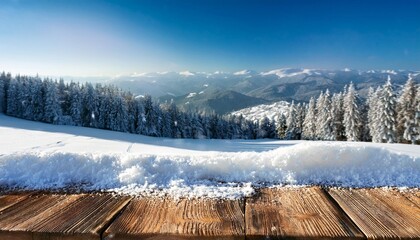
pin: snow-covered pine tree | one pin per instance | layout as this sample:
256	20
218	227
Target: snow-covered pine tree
104	107
186	122
166	127
365	132
309	124
121	113
2	95
337	115
132	112
266	128
5	79
90	103
281	126
370	104
373	115
37	94
197	131
221	128
324	120
352	119
75	104
291	130
387	114
141	117
151	117
2	92
319	107
406	112
63	93
13	98
238	129
300	117
25	98
417	118
175	121
52	108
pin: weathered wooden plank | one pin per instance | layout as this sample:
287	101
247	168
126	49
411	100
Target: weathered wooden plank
56	216
8	200
413	195
380	213
298	213
146	218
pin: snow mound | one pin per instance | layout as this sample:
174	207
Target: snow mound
215	174
42	156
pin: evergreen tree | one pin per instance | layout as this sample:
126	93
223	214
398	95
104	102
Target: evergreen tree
37	93
52	108
337	115
151	117
141	117
365	131
300	117
5	79
291	130
373	115
352	119
319	107
104	107
406	112
387	113
175	121
417	118
119	122
13	98
132	112
309	124
281	126
75	104
2	92
89	109
266	128
324	119
64	96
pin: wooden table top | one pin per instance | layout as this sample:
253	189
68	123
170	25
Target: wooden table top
272	213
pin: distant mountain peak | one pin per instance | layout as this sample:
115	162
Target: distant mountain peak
243	72
186	73
139	74
289	72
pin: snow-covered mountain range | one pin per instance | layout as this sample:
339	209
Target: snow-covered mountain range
223	92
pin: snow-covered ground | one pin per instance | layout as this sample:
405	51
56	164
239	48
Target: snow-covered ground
42	156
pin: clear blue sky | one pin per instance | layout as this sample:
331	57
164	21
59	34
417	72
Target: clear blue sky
92	37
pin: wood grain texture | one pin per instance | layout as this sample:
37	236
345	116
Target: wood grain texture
8	200
413	196
381	214
56	216
179	219
298	213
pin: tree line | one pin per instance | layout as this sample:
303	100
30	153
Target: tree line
107	107
384	116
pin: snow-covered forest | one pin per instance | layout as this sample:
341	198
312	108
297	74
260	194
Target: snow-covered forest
387	115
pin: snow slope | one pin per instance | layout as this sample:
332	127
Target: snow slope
272	111
41	156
